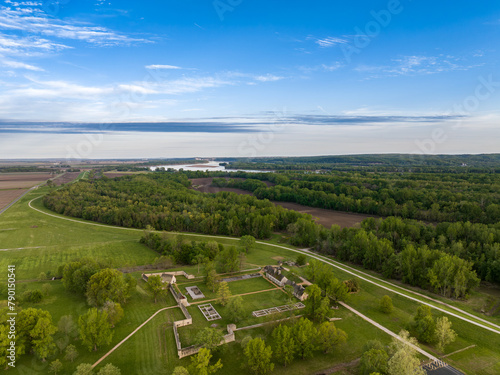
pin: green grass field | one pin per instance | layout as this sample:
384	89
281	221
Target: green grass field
36	243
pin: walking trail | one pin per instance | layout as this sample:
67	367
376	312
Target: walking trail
389	332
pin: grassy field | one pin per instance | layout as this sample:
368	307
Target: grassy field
40	243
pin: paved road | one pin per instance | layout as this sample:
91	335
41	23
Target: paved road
347	269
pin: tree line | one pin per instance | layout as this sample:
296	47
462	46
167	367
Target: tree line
423	196
377	162
416	253
163	201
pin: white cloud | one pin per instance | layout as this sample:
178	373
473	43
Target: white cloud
414	65
27	46
19	65
268	78
330	41
162	67
57	100
39	23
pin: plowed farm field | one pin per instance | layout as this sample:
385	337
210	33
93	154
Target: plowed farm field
322	216
13	185
7	196
22	180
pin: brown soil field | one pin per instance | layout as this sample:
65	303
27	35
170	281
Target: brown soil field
7	196
67	177
325	217
22	180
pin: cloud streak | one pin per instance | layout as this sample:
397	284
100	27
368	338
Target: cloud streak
162	67
415	65
38	23
215	125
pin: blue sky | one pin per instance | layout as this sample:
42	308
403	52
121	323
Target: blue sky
99	79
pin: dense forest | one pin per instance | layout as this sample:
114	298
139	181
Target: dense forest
162	200
381	162
432	197
449	258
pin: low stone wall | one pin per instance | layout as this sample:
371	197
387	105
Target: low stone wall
230	335
193	349
179	297
181	273
190	350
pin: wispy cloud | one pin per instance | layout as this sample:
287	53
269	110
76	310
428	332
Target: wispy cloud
216	124
38	23
415	65
19	65
331	41
27	46
162	67
268	78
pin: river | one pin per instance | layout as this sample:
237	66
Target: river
212	166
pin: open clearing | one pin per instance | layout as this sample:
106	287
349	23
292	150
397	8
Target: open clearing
325	217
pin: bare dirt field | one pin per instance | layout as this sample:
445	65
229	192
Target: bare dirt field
65	178
22	180
325	217
7	196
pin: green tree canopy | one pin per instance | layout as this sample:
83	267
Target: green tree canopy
200	363
444	335
258	356
284	346
107	284
209	338
386	304
95	329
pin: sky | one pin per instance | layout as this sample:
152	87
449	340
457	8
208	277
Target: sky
126	79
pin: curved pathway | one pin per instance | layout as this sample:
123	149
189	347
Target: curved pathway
338	265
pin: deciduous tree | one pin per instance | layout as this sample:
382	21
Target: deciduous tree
284	346
209	338
55	366
404	359
235	309
330	337
223	293
258	356
444	335
71	353
304	335
114	311
155	286
247	242
95	329
317	306
107	284
84	369
109	369
386	304
423	325
200	363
